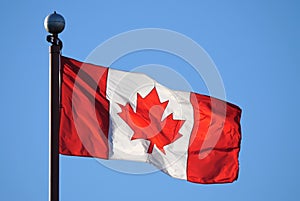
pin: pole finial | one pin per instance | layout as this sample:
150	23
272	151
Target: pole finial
54	23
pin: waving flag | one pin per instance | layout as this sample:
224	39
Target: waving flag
112	114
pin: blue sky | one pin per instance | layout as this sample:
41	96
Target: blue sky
255	46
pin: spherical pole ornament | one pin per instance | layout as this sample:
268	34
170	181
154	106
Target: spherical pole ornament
54	23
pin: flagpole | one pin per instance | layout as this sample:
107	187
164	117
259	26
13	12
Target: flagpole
54	24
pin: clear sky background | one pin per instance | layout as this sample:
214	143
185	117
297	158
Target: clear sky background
255	46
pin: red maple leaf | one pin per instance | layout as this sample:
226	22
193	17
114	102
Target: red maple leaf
147	124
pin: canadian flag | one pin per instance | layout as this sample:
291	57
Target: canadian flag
112	114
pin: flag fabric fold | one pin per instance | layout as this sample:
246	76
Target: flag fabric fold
112	114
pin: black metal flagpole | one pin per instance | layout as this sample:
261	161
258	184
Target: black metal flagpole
54	24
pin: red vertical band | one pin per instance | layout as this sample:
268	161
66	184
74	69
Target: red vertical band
215	141
84	122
